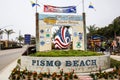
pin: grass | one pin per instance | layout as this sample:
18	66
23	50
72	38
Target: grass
65	53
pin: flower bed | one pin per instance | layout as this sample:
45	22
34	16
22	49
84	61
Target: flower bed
17	74
111	75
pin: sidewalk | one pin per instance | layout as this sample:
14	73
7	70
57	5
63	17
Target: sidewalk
116	57
5	73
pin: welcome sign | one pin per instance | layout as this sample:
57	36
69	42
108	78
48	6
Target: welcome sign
60	32
55	64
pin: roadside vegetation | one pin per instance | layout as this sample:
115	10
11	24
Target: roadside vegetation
109	32
111	75
114	63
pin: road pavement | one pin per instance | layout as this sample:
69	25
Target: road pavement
8	56
8	61
5	73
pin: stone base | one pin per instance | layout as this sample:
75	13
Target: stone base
68	64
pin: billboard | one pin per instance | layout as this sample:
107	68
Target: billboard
60	32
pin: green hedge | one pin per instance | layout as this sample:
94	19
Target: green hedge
65	53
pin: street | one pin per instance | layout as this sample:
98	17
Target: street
10	55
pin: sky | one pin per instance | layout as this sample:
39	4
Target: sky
19	15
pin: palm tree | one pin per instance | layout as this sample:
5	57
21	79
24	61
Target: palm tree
1	32
20	39
8	32
92	29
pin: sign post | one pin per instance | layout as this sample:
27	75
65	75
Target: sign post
27	39
37	32
84	26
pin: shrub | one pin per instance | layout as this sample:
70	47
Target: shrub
64	53
114	63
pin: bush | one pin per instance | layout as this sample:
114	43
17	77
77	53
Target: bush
114	63
64	53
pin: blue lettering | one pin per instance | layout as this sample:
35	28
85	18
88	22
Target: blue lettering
68	63
33	62
57	63
75	63
93	62
82	63
49	63
37	62
87	62
42	63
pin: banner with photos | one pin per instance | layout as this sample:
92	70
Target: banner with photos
55	9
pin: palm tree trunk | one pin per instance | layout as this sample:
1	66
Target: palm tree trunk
8	40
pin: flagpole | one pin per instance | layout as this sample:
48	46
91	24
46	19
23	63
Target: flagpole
84	27
36	6
37	29
83	5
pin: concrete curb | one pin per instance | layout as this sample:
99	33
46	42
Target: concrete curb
5	73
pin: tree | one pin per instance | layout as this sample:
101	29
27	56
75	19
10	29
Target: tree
92	30
33	40
1	32
8	32
20	39
116	26
110	31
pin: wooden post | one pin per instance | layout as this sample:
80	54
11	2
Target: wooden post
84	28
37	32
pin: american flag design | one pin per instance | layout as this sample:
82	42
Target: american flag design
62	39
